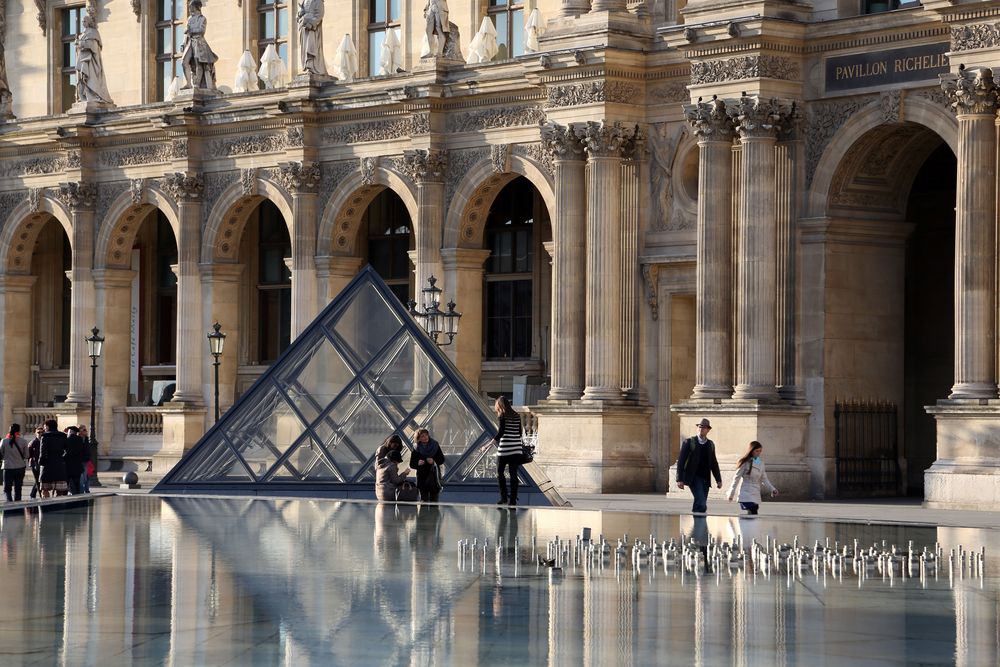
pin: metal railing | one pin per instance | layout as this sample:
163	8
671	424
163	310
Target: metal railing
866	448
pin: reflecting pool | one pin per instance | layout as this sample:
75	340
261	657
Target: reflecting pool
189	581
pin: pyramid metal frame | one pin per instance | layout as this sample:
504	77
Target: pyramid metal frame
226	438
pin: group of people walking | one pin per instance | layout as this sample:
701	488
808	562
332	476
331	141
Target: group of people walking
59	461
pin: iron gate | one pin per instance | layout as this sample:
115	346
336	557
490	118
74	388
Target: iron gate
866	448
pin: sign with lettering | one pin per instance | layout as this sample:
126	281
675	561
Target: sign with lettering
879	68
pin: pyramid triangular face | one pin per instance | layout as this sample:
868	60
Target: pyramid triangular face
363	370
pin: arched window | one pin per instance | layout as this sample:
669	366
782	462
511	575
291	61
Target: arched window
274	284
390	239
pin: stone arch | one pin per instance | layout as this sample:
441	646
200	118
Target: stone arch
122	222
924	112
340	222
466	219
229	215
17	239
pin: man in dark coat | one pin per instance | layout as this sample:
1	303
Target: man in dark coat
696	465
74	459
52	467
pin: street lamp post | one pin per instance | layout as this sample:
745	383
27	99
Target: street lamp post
216	342
430	316
95	345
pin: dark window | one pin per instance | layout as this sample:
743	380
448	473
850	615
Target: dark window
274	283
272	27
389	241
72	24
508	19
382	15
878	6
509	272
165	332
169	39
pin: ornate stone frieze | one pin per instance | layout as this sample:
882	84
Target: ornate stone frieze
73	159
299	176
32	166
710	120
890	102
187	186
537	153
8	202
107	193
137	186
216	182
179	148
571	95
972	37
459	164
744	67
651	276
295	137
561	142
971	91
136	155
78	195
425	165
485	119
379	130
607	140
755	116
35	199
247	145
368	167
500	158
421	123
333	174
675	91
823	119
248	181
934	95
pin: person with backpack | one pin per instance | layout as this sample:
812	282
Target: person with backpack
14	453
509	439
750	476
696	464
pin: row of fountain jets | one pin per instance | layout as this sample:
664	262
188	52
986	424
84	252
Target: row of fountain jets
686	555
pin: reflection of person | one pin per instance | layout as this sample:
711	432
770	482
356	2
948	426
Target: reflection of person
507	529
310	21
14	454
750	475
426	459
387	475
508	439
91	85
695	465
198	59
436	14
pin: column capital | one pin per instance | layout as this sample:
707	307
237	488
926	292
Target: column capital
971	91
560	141
425	165
464	258
710	121
187	186
299	177
78	195
110	278
221	272
608	140
16	283
755	117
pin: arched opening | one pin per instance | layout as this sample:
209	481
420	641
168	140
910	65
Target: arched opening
50	316
386	241
517	293
265	252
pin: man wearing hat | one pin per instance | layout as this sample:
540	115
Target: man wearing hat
696	462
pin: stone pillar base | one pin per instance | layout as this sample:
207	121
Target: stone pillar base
966	474
183	426
782	429
595	448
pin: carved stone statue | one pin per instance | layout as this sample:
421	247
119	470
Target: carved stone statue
5	95
310	20
438	27
198	59
91	84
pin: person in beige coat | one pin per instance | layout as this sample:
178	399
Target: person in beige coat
388	477
750	477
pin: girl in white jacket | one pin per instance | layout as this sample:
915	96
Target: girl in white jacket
750	475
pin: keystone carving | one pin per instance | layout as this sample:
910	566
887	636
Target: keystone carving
368	167
425	165
187	186
299	176
78	195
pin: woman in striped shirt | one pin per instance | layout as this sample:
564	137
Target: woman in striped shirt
508	439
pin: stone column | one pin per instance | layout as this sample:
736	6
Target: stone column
186	189
333	273
220	303
16	354
974	99
630	319
604	144
758	122
788	155
80	198
571	8
463	272
609	6
114	306
301	179
569	263
713	337
426	168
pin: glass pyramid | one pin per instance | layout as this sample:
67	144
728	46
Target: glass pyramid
310	426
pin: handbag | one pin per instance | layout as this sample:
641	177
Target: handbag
407	492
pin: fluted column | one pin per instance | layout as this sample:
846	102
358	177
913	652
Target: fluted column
758	122
605	145
570	8
713	129
974	98
186	189
609	6
302	179
426	168
80	199
113	291
569	263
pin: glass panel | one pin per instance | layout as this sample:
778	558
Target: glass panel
306	463
353	430
165	10
366	324
375	40
498	3
68	90
262	428
481	464
67	54
313	376
267	25
450	422
282	23
283	52
402	376
163	40
395	9
500	21
178	41
214	461
517	32
377	11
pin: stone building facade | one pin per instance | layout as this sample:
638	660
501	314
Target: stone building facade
772	214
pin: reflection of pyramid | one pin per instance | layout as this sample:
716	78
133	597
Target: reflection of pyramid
311	424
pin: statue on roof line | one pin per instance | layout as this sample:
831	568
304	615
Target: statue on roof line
310	20
91	84
198	59
437	29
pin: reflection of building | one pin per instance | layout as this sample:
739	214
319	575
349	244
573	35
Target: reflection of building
585	260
